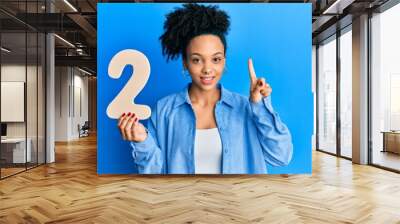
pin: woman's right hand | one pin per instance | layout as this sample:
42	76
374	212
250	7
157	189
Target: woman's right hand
131	129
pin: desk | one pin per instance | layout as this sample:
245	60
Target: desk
391	141
15	148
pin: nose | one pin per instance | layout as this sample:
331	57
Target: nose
206	69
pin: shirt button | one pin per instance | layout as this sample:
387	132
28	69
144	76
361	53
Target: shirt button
226	150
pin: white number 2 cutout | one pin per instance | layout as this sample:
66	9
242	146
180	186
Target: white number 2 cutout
125	100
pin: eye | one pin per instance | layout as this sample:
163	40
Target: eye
195	60
217	60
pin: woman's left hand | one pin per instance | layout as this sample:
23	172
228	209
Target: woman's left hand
259	88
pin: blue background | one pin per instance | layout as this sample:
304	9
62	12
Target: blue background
276	36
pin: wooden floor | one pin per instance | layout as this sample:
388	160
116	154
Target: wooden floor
70	191
5	172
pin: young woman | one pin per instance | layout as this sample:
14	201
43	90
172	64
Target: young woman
206	129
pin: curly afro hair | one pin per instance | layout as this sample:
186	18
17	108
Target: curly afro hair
183	24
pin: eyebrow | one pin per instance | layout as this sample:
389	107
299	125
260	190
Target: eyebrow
201	55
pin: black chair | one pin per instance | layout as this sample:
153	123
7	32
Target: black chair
84	130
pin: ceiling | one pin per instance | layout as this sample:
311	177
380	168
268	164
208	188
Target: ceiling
76	22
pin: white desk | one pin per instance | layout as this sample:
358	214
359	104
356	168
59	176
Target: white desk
18	149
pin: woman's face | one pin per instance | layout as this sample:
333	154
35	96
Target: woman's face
205	61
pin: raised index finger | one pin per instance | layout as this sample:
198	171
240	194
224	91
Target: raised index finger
252	73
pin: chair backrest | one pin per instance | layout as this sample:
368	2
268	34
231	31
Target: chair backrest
86	124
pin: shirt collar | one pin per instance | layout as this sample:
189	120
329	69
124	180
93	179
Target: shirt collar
183	97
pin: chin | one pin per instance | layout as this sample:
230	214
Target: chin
207	88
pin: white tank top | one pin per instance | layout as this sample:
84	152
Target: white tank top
207	151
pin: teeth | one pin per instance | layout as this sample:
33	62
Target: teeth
207	78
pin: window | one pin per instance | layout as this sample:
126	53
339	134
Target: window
22	76
346	74
385	88
327	95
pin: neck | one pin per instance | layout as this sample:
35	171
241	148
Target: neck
204	97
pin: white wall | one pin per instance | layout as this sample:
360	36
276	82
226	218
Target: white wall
71	94
12	73
80	102
61	103
16	73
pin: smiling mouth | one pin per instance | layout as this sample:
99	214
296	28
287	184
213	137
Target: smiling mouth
207	80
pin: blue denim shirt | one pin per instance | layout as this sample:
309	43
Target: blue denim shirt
252	136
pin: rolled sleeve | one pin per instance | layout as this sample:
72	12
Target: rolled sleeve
264	113
147	156
274	136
